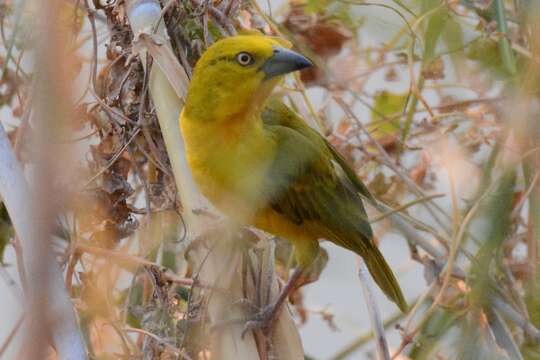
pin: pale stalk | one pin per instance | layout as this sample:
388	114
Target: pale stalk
168	91
374	313
17	199
49	314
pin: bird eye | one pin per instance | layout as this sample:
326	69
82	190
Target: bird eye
245	59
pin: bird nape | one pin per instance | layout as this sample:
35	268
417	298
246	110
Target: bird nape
259	163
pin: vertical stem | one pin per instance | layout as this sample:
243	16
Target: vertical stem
505	49
374	314
41	268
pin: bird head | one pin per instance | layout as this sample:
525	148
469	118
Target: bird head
235	75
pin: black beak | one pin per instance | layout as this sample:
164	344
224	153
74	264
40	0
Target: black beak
283	62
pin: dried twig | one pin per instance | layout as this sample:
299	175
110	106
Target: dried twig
159	340
11	335
374	315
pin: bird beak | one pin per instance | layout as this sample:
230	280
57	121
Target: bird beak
283	62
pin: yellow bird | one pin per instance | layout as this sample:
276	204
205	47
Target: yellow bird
260	164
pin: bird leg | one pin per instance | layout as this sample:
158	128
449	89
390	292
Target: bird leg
265	319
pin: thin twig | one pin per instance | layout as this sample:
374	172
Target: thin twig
11	335
390	163
364	338
113	159
405	206
374	315
176	350
506	310
456	243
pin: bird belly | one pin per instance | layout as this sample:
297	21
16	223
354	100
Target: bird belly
274	223
229	173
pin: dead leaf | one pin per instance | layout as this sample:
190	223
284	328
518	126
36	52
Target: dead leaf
419	172
434	70
391	75
343	127
324	37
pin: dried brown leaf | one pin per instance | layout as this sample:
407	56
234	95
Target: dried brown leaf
434	70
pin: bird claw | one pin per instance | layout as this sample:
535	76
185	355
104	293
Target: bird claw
263	320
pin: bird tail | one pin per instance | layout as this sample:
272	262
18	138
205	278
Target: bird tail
384	277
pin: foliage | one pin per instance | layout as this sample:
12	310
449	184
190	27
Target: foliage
6	231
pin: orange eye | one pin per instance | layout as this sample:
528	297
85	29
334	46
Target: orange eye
244	59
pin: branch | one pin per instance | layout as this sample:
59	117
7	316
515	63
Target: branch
517	319
374	315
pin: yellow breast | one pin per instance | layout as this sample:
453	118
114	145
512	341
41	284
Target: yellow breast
229	163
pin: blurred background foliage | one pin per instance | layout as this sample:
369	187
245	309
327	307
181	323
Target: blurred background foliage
436	103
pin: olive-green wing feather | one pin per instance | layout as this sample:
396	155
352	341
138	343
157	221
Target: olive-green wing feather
304	186
309	185
277	113
313	170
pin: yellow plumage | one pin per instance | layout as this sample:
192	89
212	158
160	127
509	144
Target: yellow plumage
260	164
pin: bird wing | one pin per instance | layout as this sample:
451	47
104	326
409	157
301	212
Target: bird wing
277	113
308	184
311	184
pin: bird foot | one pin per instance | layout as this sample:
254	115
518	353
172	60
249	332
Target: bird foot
264	320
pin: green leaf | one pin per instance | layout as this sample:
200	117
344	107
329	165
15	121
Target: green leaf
532	298
435	27
182	292
486	52
386	105
6	231
531	351
135	294
214	31
532	287
315	6
453	37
